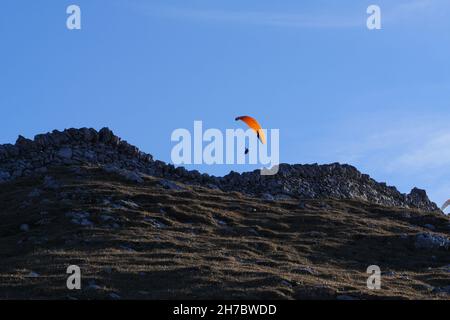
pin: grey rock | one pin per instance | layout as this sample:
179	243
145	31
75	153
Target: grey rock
155	223
105	218
286	283
4	175
129	204
406	215
418	198
445	290
281	197
90	155
431	241
126	248
50	183
17	173
77	215
80	218
305	270
268	197
114	296
132	176
167	184
221	222
93	286
34	193
41	170
105	135
24	143
65	153
84	222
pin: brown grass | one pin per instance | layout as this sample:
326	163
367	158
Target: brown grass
213	245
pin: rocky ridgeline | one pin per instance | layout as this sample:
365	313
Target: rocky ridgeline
70	147
327	181
89	147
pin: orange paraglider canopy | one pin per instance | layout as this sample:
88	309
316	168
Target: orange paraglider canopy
252	123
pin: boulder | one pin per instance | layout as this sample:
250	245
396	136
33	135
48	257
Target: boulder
4	176
431	241
167	184
65	153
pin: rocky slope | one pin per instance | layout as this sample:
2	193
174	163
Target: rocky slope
87	146
141	229
160	239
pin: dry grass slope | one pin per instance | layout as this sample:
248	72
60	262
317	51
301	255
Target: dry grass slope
144	241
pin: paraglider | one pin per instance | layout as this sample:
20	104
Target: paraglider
446	205
253	124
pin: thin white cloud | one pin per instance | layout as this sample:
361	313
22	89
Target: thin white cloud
415	150
430	154
392	13
265	18
250	17
395	138
416	10
409	147
415	6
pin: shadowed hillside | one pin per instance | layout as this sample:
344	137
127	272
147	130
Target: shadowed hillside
140	229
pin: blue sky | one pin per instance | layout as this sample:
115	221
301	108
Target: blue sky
379	100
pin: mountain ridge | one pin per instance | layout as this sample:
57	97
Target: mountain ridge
89	146
141	229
